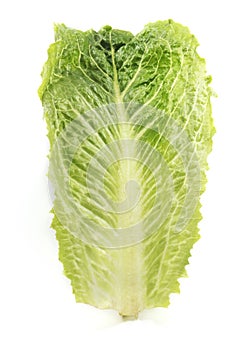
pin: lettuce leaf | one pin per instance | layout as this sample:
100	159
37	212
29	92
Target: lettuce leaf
130	127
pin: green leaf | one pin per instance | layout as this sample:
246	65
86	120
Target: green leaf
130	127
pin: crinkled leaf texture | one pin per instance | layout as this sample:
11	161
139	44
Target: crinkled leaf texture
154	88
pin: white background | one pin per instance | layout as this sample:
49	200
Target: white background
37	308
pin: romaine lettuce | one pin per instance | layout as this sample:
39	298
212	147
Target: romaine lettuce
130	127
